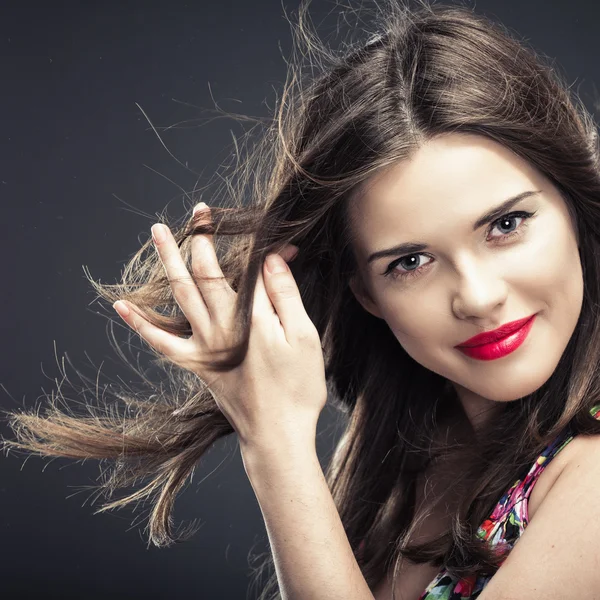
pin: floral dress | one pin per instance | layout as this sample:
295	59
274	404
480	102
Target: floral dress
505	525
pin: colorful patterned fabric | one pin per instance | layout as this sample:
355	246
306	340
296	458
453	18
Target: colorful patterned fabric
506	523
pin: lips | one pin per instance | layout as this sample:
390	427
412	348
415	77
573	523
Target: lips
489	337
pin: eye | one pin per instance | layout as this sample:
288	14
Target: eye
412	260
503	222
508	218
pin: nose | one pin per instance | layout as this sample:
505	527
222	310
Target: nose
479	292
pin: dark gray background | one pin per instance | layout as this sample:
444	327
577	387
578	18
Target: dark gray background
75	152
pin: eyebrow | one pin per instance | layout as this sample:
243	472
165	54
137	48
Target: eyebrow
491	215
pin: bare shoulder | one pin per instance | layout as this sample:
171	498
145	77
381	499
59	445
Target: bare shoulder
583	447
559	549
578	449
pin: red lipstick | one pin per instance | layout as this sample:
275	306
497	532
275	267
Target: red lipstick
498	343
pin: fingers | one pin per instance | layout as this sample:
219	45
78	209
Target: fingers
185	292
217	294
284	295
289	252
206	297
165	343
262	302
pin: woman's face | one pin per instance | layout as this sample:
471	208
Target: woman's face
468	278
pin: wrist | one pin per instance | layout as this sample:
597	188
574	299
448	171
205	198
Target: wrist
280	435
267	455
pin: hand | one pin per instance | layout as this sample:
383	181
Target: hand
279	388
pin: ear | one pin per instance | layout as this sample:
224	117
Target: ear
363	296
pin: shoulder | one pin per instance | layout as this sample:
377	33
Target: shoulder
559	549
582	448
577	465
577	449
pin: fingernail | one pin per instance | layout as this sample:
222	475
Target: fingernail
291	252
276	264
159	232
199	206
121	308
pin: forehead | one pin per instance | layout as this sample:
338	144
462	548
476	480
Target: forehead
451	179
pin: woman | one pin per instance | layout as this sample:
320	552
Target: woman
436	193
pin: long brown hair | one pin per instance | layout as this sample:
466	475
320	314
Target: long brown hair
422	72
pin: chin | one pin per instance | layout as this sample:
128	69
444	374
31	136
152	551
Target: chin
504	393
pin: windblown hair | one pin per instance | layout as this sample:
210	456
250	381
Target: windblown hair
423	72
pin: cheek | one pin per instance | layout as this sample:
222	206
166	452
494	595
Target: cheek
419	321
549	268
